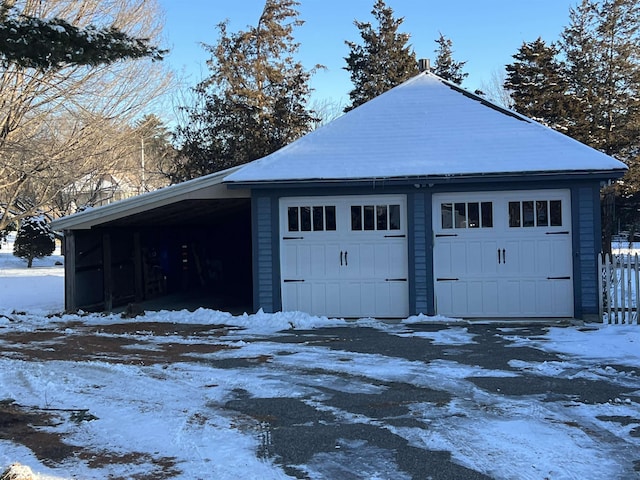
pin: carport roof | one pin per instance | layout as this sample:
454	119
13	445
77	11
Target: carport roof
425	128
190	193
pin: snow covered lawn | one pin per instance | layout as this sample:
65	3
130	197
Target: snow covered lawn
207	395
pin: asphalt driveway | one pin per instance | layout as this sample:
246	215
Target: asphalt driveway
340	419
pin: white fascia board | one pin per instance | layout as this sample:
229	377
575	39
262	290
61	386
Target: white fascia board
207	187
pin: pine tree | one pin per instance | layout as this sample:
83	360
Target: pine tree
254	101
537	84
383	60
35	239
602	49
54	43
445	66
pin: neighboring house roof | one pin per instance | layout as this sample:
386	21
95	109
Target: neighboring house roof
426	127
208	187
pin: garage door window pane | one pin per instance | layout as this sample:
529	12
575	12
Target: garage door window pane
381	215
394	217
305	219
330	215
528	216
487	214
461	215
474	215
356	218
542	216
292	213
318	219
555	213
369	217
514	214
446	211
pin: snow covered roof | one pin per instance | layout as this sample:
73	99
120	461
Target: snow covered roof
203	188
426	127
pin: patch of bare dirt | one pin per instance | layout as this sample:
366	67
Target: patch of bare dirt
122	343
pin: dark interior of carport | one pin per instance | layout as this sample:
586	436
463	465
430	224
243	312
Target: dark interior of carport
188	254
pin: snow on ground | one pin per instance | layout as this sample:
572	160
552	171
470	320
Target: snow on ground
176	410
17	288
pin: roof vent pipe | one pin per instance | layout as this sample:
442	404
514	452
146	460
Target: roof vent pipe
424	65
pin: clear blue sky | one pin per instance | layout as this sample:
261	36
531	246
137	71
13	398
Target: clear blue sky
485	33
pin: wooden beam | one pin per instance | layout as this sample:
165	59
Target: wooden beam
137	268
107	278
70	300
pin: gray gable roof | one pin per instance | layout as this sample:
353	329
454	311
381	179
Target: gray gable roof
426	127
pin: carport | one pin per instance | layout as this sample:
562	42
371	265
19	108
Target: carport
183	246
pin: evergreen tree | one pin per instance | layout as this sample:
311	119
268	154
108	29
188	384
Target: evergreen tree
383	60
54	43
254	101
35	239
537	84
602	49
445	66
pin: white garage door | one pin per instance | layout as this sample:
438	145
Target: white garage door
503	254
344	256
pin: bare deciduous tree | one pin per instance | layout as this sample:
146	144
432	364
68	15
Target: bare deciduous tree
59	125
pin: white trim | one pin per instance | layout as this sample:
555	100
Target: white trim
207	187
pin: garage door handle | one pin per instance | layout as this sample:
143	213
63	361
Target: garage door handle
346	262
502	259
340	257
558	278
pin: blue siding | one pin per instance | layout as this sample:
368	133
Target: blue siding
586	226
263	254
419	253
585	202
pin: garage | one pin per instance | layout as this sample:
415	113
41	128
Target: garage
428	199
503	254
344	256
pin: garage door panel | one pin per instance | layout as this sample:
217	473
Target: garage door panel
346	249
318	298
506	259
459	260
442	259
489	256
475	263
490	297
544	256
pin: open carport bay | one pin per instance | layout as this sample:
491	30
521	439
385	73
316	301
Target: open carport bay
188	253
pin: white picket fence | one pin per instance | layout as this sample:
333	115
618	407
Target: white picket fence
619	287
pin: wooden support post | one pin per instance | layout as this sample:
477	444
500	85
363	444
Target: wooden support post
70	299
137	268
107	277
